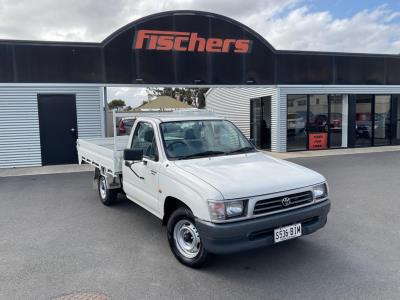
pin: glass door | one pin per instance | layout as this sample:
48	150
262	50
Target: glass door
296	122
337	121
382	120
255	121
266	123
396	119
260	122
364	123
318	122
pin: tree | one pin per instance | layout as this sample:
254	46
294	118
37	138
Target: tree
116	103
190	96
201	98
156	92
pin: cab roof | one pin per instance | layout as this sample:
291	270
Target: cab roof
181	115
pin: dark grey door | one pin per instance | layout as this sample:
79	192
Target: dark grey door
58	128
260	122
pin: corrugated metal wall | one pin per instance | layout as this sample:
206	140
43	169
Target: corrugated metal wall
234	104
19	123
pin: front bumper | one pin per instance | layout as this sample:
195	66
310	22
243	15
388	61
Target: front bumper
259	232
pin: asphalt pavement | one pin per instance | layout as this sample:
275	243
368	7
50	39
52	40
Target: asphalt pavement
57	238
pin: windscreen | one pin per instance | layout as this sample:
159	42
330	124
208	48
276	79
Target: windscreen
191	139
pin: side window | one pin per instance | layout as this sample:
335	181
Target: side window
143	138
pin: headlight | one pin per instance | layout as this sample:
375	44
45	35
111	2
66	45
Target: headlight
320	191
222	210
234	208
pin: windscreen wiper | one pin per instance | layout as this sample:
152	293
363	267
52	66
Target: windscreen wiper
241	150
202	154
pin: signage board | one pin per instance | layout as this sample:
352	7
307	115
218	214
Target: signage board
318	141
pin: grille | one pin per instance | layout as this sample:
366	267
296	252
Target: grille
275	204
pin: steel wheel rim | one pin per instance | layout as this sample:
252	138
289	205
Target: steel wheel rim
103	188
187	238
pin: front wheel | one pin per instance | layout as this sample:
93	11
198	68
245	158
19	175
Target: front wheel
107	196
184	239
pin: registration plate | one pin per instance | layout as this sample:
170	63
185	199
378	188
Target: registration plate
287	232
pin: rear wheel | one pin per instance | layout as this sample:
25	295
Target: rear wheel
184	238
107	196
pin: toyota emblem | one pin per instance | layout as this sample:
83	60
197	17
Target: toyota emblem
286	201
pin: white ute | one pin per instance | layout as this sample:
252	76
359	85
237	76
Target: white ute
215	192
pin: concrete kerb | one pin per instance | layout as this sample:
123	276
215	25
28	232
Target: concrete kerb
319	153
74	168
57	169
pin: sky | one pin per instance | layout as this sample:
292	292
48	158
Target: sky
367	26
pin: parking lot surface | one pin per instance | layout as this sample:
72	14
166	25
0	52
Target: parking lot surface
57	238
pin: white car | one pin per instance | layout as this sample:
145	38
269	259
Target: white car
208	184
295	123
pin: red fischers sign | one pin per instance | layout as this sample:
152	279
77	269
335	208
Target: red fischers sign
187	42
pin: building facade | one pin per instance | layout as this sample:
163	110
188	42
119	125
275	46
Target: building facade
312	117
51	93
39	124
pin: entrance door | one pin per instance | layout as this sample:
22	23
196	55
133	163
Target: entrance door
297	115
260	122
364	123
337	121
396	119
58	128
382	117
318	122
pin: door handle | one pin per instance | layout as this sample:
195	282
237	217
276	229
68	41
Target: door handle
72	129
153	172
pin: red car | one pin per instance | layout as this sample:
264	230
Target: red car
125	126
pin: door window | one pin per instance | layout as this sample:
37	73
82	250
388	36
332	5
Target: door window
364	128
318	125
382	125
296	122
144	139
337	119
260	122
397	119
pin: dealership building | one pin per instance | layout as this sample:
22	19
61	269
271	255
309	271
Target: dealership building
312	117
52	93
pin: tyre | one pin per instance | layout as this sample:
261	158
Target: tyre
107	196
184	238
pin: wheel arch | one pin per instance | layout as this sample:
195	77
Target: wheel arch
170	205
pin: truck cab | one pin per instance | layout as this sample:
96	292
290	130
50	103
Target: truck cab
215	192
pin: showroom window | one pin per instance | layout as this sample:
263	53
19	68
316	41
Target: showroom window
316	122
377	119
396	119
382	120
296	122
338	117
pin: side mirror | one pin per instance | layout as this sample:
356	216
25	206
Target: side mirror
133	154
